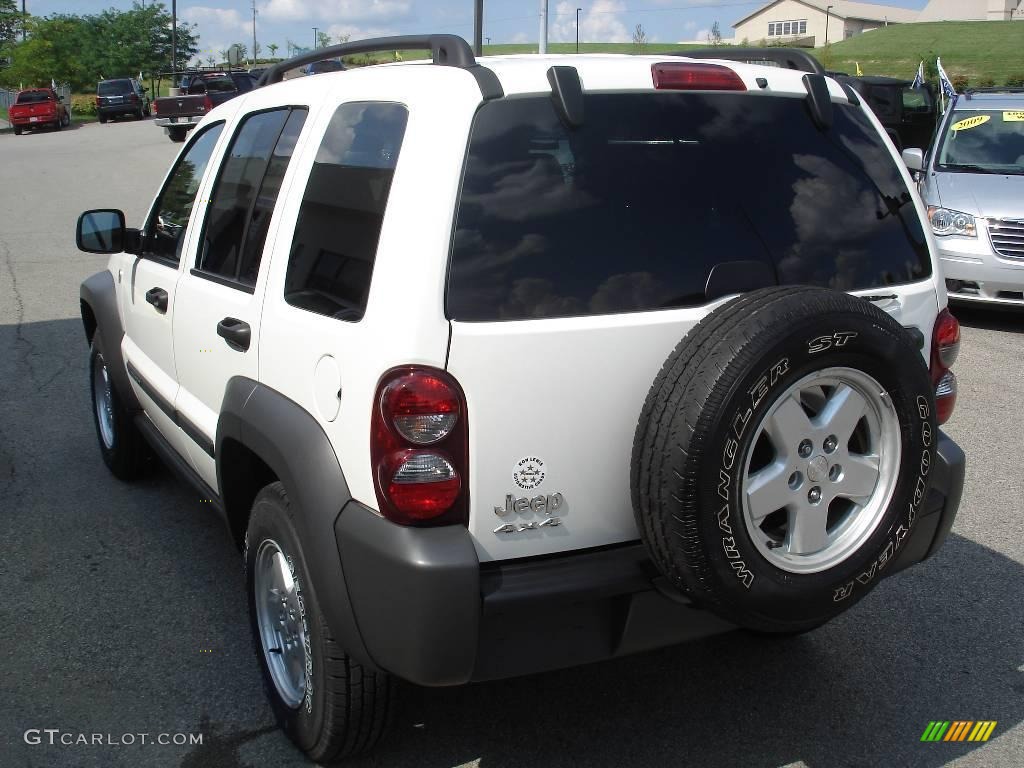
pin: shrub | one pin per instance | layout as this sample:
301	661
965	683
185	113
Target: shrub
960	83
1015	81
83	104
986	82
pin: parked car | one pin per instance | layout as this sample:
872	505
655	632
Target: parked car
121	96
490	373
37	107
909	114
322	66
972	180
179	114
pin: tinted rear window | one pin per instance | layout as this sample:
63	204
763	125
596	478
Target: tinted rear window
632	211
114	87
215	84
32	97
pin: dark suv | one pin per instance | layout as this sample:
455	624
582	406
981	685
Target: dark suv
121	96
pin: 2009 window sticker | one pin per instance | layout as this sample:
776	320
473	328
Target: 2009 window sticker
970	122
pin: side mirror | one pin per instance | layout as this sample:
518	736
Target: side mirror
914	159
101	231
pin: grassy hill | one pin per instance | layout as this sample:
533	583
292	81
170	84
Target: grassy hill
976	49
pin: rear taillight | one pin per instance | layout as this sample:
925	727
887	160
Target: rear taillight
945	348
684	76
419	447
207	103
134	97
154	106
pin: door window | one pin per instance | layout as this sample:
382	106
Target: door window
245	194
339	224
165	231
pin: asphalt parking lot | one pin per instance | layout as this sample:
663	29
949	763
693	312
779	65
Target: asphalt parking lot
122	611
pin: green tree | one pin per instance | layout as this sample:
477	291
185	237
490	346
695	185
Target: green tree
10	22
273	50
322	39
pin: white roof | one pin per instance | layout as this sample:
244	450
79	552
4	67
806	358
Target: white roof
849	10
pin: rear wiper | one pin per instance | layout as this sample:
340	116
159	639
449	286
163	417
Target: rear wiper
969	167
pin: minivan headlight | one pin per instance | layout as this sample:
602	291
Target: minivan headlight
945	221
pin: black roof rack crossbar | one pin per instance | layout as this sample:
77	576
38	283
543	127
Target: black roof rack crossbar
448	50
1005	89
787	58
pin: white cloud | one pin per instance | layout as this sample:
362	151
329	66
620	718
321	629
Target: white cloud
601	22
350	10
521	37
228	19
357	32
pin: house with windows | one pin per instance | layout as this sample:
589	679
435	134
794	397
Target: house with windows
814	23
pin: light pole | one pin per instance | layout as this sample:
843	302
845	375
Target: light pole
174	37
254	33
543	47
315	46
827	9
478	27
578	29
24	16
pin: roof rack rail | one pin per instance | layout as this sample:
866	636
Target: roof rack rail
1005	89
787	58
449	50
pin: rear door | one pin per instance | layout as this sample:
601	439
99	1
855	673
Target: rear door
220	297
581	257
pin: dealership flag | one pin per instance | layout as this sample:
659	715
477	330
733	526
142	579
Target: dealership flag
944	81
53	84
919	77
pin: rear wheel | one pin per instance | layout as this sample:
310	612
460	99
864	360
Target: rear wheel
17	130
327	703
103	119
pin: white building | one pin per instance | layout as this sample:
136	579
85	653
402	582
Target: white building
812	23
972	10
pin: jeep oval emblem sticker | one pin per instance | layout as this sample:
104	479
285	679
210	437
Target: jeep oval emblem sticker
528	473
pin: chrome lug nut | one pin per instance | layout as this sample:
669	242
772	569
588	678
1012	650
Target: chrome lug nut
831	443
805	448
814	495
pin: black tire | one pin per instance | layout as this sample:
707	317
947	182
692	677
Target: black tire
59	124
140	114
128	456
67	119
103	119
17	130
177	135
346	709
693	448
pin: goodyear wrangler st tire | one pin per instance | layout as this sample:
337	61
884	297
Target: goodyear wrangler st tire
782	455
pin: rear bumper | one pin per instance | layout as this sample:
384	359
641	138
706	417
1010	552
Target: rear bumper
29	121
186	122
430	613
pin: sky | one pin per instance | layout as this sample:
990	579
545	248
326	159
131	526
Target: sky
222	22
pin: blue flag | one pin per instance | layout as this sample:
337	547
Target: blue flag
944	81
919	77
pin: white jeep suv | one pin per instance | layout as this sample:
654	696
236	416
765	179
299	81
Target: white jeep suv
609	351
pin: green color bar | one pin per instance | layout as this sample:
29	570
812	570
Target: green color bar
926	736
943	727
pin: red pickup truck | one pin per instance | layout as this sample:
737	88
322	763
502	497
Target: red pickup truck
36	107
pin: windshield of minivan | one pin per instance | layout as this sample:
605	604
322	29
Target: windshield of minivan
634	209
114	87
984	141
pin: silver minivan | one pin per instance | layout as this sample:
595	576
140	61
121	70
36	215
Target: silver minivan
972	180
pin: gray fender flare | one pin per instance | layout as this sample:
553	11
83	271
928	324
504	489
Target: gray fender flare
99	294
291	442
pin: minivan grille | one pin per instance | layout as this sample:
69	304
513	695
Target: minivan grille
1007	237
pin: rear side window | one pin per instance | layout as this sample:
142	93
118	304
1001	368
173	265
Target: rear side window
245	194
633	210
342	210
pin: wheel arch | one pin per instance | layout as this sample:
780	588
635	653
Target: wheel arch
98	308
264	435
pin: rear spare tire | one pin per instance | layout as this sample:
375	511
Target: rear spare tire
782	455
